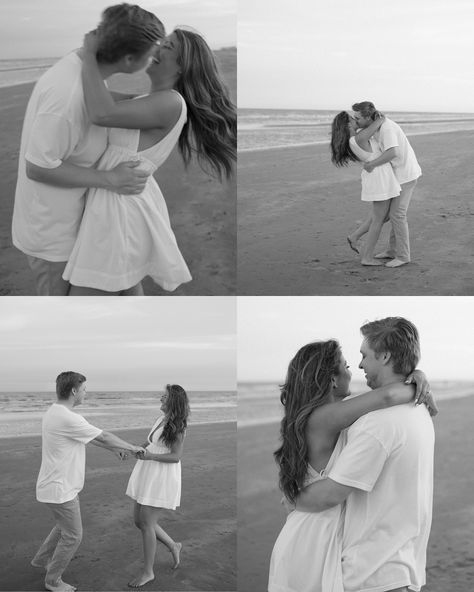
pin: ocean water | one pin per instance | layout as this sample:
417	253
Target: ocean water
21	413
21	71
260	129
259	402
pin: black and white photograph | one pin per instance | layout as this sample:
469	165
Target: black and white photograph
355	140
118	444
119	132
355	466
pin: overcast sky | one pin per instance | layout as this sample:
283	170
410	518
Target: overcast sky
52	28
118	343
315	54
272	329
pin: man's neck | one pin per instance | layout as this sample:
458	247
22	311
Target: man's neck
69	403
390	379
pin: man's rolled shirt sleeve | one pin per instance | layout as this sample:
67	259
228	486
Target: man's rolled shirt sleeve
388	137
360	462
52	139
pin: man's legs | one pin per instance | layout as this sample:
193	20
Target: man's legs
399	236
62	542
48	276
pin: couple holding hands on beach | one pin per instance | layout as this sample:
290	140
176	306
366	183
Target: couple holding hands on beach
88	213
155	482
356	471
389	176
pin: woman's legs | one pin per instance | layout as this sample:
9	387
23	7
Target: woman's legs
146	519
83	291
359	232
379	212
173	547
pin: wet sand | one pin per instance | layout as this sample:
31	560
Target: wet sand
296	209
450	563
202	210
110	552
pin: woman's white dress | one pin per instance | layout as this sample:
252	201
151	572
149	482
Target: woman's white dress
155	483
123	238
306	556
381	183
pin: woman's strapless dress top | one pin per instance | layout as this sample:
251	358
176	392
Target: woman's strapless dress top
123	238
154	483
381	183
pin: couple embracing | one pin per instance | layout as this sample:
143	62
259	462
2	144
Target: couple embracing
389	176
155	482
356	471
88	213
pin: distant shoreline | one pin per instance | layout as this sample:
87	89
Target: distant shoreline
326	142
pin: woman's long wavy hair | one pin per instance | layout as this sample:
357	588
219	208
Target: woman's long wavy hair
211	129
341	153
176	414
307	387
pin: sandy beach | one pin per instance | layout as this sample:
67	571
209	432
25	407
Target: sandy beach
202	210
450	563
296	209
110	552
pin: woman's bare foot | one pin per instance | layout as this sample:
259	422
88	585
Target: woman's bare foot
371	262
59	586
175	551
353	244
141	579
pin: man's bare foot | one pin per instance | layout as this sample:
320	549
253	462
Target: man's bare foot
384	255
142	579
395	263
371	262
59	586
175	551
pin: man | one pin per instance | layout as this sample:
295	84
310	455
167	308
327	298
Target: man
398	151
60	146
61	477
384	474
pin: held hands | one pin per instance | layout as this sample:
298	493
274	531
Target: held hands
423	393
368	167
144	455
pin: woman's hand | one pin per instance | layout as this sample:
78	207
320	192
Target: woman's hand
91	42
423	391
143	455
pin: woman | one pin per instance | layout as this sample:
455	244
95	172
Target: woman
122	239
378	186
155	481
317	381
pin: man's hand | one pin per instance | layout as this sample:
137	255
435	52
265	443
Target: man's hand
368	167
126	179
